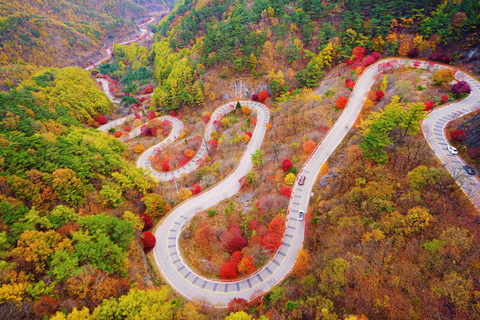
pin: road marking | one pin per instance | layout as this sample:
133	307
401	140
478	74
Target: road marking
290	227
171	246
226	287
259	277
269	271
285	244
215	287
181	268
249	284
203	287
281	253
195	280
238	286
176	261
287	235
275	261
189	273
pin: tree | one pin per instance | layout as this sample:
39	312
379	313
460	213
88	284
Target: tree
246	110
241	315
444	75
148	241
341	102
237	244
271	241
428	105
147	221
236	257
309	76
101	120
195	188
189	153
252	61
228	270
309	146
184	194
379	95
67	186
45	306
257	159
277	225
165	166
118	134
286	191
286	164
212	145
289	179
155	204
246	266
461	87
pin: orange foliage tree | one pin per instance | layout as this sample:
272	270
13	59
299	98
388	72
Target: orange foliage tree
309	146
341	102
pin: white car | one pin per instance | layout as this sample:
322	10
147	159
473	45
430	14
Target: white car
300	216
452	150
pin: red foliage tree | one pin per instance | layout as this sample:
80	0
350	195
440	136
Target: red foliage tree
45	305
263	95
205	236
358	52
309	146
461	87
118	134
444	98
137	115
148	241
237	305
349	83
173	113
101	120
341	102
458	135
165	166
271	241
413	53
242	181
151	115
246	266
228	270
206	119
127	129
277	225
196	188
237	244
248	134
286	191
236	257
428	105
255	97
286	164
379	94
147	221
225	238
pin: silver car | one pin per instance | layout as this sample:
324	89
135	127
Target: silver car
452	150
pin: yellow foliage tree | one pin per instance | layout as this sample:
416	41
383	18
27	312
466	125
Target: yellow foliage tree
289	179
184	194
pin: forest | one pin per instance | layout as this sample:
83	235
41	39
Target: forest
388	231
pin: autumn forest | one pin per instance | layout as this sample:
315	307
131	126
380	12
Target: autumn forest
220	159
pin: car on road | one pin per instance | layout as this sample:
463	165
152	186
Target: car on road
302	180
452	150
301	215
469	170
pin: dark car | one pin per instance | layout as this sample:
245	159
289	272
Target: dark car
469	170
302	180
300	216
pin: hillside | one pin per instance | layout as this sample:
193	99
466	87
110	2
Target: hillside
62	33
389	234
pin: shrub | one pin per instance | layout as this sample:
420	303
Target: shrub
165	166
368	61
428	105
237	305
444	98
379	94
458	135
413	53
101	120
127	129
148	241
286	191
376	55
151	115
255	97
228	270
139	148
195	188
474	153
286	164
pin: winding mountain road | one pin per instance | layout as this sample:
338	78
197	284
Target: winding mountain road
196	287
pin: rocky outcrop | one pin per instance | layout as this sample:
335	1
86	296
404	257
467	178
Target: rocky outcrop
240	90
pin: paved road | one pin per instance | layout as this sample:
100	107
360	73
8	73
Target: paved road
434	131
196	287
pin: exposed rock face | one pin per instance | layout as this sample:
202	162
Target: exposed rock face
472	128
239	90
